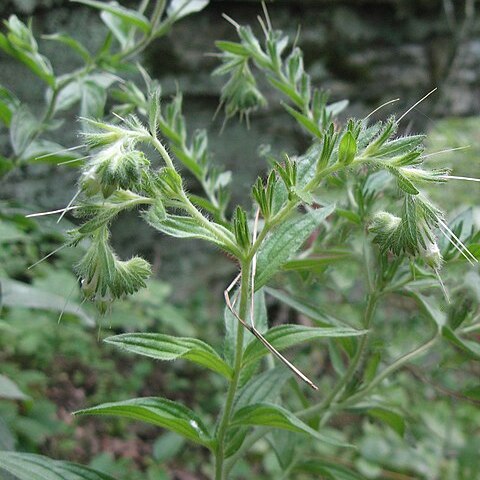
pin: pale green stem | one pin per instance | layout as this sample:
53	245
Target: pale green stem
162	150
221	234
290	206
232	389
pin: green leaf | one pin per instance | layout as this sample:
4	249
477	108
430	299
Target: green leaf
10	390
309	124
232	47
403	182
327	470
23	128
26	466
317	263
385	413
37	63
131	17
349	215
75	45
181	8
18	294
287	90
284	241
270	415
470	347
121	29
264	387
285	336
69	95
400	146
8	104
92	101
185	227
157	411
429	307
391	417
474	249
167	347
333	109
347	148
300	305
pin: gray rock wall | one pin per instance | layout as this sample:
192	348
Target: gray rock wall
367	51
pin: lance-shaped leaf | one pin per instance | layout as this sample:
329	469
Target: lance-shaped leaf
269	415
181	8
470	347
132	17
347	148
265	387
284	241
157	411
26	466
75	45
167	347
320	317
319	262
388	414
180	226
309	124
285	336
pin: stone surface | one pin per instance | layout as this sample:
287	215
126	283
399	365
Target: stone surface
366	51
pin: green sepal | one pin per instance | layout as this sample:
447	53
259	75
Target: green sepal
240	228
347	148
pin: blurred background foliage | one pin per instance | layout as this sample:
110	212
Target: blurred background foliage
366	51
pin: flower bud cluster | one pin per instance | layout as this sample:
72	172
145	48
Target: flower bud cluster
116	164
412	233
104	277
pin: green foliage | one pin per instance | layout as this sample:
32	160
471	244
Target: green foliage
166	347
25	466
158	411
320	228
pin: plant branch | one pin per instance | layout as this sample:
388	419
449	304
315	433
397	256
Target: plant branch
232	389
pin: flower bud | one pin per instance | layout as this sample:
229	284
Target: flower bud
116	166
431	255
384	223
170	183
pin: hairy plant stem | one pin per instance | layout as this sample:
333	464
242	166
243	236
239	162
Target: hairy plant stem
191	208
232	388
290	206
